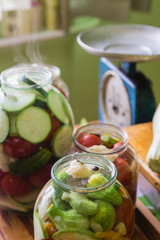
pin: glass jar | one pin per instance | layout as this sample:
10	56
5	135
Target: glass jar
83	200
112	142
36	123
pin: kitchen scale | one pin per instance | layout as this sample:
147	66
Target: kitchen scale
125	94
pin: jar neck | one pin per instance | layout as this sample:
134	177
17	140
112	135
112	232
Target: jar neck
56	72
13	78
100	129
88	159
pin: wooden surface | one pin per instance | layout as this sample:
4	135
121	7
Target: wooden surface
17	228
140	137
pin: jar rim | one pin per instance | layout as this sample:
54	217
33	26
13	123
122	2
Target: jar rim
56	72
85	158
99	127
18	71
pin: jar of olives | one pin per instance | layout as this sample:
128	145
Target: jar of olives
83	200
36	124
111	142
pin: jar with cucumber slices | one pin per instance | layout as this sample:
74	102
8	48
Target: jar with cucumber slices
111	142
36	124
83	200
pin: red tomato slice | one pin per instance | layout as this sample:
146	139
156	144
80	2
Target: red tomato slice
2	173
90	140
16	186
55	124
18	147
42	176
124	173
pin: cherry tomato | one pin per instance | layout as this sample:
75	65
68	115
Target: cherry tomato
61	90
41	177
2	173
55	124
18	147
1	189
132	189
90	140
118	144
124	173
16	186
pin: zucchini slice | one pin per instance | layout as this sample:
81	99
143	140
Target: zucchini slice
17	102
33	124
12	129
59	106
4	125
62	140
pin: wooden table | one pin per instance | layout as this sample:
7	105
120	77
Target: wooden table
17	228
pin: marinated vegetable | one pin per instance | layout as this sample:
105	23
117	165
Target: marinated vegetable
34	117
83	206
112	143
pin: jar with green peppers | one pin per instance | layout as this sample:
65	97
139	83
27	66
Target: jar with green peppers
83	200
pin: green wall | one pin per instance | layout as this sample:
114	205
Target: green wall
80	69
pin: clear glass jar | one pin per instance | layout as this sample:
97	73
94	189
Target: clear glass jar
36	123
83	200
118	151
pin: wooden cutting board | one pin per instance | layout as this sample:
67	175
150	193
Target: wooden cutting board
140	137
14	227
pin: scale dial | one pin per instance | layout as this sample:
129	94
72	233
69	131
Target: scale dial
115	100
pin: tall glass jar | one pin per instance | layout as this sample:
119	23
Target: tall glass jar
83	200
112	142
36	124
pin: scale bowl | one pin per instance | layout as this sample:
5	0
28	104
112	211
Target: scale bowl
125	42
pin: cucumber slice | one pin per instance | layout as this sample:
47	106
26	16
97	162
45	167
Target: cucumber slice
76	234
27	206
33	124
39	232
30	198
59	106
28	165
62	141
7	202
13	129
4	125
14	103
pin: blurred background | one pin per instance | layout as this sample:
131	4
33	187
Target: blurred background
45	31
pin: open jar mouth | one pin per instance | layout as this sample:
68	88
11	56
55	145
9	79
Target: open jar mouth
100	129
90	159
56	72
13	77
